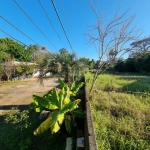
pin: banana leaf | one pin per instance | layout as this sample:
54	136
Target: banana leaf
39	109
76	88
43	126
70	106
57	120
68	125
55	97
40	101
79	113
62	84
48	94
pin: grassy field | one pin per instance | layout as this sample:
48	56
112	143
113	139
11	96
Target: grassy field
121	120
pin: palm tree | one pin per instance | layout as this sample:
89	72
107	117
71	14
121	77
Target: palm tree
64	63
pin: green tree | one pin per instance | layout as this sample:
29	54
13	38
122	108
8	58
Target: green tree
1	71
25	68
3	53
142	62
129	65
91	64
37	53
64	63
72	68
67	61
15	49
119	66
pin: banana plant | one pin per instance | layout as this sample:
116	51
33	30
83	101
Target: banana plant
63	106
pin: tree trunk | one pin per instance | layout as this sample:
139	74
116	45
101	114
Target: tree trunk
93	83
8	78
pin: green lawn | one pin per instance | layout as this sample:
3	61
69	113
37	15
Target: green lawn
121	120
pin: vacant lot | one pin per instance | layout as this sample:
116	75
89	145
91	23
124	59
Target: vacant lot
20	93
121	112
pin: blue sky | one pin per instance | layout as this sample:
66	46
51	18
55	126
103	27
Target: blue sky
79	16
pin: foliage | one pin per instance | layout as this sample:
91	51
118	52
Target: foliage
90	64
32	53
139	62
62	103
3	52
38	54
25	68
15	49
1	71
10	137
64	63
121	120
68	63
20	119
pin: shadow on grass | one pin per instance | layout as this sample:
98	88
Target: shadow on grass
141	84
129	83
15	138
8	107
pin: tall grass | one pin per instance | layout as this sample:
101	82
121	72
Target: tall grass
121	121
121	83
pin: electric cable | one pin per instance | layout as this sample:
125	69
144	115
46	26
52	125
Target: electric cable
67	21
12	37
50	22
61	23
35	24
19	30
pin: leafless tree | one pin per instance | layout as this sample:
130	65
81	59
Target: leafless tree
111	39
8	67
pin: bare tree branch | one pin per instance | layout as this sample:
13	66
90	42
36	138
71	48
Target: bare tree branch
111	39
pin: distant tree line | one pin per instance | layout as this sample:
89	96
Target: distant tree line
139	61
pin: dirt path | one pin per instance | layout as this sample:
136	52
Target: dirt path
21	93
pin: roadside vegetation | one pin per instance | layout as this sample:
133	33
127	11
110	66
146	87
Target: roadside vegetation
120	103
20	135
121	120
62	107
23	124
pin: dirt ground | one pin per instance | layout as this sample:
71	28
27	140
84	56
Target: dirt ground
20	94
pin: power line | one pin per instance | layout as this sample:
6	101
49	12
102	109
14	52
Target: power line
16	39
50	22
61	23
19	30
35	24
13	37
67	20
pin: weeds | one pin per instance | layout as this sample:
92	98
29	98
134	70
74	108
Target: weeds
11	133
121	120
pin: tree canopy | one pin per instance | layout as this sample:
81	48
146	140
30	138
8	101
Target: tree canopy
9	47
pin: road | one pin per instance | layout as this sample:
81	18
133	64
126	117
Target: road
21	93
